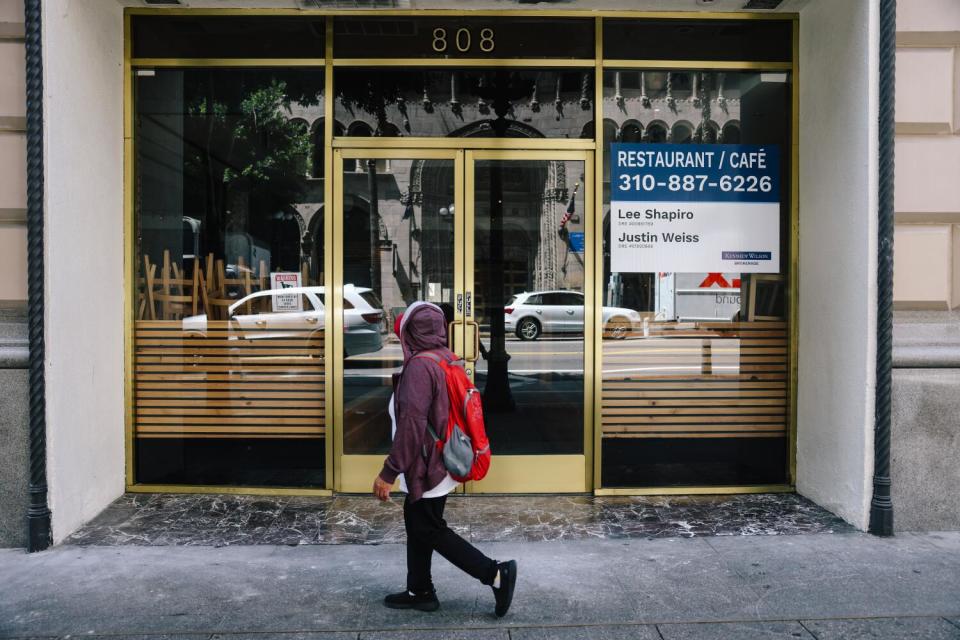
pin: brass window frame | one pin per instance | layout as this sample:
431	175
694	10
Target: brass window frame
328	63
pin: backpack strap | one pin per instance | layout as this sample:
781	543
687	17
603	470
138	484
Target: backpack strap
431	354
436	357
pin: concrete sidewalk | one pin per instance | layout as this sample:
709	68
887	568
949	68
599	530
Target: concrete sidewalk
821	586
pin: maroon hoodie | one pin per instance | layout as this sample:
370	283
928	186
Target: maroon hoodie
420	396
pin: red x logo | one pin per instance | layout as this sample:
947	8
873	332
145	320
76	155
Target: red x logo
720	281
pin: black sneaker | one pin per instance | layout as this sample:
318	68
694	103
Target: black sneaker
508	580
426	601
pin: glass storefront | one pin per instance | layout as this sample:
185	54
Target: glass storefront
696	393
263	349
229	371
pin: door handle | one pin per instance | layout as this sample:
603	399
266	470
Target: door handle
570	312
260	323
475	330
450	335
312	320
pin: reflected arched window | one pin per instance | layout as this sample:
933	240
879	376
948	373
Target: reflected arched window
631	132
302	129
357	129
682	133
317	150
656	132
360	129
286	226
389	130
609	135
731	133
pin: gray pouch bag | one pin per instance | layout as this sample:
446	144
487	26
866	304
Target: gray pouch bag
457	452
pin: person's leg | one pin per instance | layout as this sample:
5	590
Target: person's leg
451	546
427	531
419	593
419	551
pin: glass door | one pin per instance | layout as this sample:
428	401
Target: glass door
527	274
499	240
398	238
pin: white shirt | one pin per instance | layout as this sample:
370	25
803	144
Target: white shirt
446	485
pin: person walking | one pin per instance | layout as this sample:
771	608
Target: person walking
420	398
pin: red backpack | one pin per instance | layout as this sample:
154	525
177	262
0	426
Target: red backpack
465	447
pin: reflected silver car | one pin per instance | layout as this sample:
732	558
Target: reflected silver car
531	314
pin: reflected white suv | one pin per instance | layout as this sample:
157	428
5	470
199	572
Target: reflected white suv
531	314
363	317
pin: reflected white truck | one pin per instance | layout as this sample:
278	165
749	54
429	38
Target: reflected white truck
698	297
532	314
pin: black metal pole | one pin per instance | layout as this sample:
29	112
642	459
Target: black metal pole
881	507
38	514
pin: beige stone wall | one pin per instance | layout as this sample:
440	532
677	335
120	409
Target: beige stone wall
13	181
927	201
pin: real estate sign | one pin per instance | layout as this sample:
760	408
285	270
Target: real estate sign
703	208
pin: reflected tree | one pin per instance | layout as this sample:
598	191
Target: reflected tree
241	147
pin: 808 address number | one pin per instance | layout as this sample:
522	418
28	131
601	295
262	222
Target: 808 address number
462	39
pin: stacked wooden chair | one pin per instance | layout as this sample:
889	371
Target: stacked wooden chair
171	295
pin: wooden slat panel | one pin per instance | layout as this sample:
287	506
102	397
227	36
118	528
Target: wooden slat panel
260	352
231	436
697	380
229	383
704	413
695	402
680	385
210	398
189	413
724	434
615	397
688	428
234	421
665	419
156	368
614	379
221	381
238	403
206	361
230	429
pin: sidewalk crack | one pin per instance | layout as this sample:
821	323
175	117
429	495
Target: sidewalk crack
812	634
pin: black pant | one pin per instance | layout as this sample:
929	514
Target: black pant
427	532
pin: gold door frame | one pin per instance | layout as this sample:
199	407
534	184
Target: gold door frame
371	147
